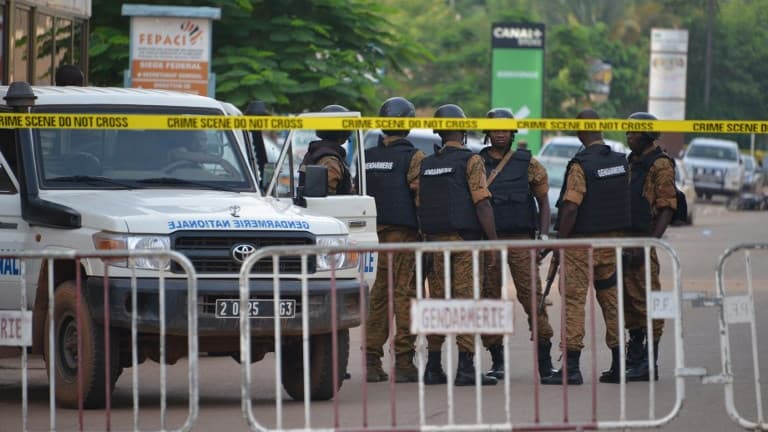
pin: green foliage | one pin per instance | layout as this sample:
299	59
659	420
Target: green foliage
295	55
458	44
300	54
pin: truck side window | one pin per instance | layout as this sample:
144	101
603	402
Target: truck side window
8	149
6	185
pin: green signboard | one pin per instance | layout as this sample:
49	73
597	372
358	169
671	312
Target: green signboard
517	73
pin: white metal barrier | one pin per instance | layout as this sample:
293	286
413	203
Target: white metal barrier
76	322
739	309
666	304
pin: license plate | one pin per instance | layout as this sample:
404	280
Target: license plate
261	308
708	179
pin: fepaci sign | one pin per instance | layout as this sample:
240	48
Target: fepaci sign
171	48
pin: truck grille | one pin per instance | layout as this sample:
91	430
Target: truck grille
214	252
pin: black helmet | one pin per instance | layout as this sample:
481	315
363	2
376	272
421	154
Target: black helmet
652	136
449	111
332	135
500	113
397	107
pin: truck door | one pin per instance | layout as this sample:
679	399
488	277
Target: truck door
358	210
12	228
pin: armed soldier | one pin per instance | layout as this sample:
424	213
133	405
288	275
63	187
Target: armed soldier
653	203
517	182
454	205
392	169
328	151
594	202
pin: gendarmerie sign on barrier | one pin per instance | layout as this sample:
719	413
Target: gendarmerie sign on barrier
456	316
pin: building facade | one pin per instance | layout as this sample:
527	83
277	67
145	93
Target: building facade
39	35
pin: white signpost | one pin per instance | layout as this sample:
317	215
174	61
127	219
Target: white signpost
668	70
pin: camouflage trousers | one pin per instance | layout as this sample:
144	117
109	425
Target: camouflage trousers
575	295
520	267
404	289
461	287
634	296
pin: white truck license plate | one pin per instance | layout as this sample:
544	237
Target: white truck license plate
261	308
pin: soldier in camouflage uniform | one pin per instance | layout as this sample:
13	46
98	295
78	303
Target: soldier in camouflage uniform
594	202
328	152
392	171
518	187
653	202
454	206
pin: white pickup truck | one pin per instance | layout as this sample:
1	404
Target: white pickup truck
194	192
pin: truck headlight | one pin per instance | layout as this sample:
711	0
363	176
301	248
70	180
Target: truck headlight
335	261
111	241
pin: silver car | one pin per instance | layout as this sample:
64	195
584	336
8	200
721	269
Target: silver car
716	165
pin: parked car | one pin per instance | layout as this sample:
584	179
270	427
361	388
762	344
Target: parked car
752	173
753	192
566	147
684	183
716	165
556	174
423	139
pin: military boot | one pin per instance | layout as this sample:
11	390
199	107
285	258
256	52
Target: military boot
405	371
574	373
635	348
613	374
434	373
545	359
375	373
643	370
497	359
465	372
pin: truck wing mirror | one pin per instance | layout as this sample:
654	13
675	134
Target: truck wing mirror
315	181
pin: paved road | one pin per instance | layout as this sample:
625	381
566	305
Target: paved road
698	247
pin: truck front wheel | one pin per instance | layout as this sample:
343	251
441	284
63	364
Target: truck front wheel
66	352
321	385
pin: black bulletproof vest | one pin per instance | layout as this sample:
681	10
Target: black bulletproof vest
639	205
513	203
606	204
445	203
386	169
320	149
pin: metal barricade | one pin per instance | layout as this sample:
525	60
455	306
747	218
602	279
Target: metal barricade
739	309
666	304
73	318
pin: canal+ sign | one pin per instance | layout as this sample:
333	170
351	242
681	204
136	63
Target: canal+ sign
517	35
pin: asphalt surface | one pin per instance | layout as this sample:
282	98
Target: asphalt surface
698	247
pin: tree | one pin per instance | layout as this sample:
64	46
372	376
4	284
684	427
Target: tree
458	43
294	55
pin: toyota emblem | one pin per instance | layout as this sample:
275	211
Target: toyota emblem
241	251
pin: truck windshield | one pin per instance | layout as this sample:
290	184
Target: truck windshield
112	159
712	152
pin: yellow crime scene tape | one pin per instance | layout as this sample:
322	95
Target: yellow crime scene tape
191	122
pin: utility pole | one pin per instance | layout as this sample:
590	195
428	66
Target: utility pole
708	54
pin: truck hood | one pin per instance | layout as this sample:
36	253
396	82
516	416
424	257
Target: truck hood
710	163
163	211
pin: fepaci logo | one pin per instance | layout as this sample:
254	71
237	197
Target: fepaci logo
193	30
190	35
